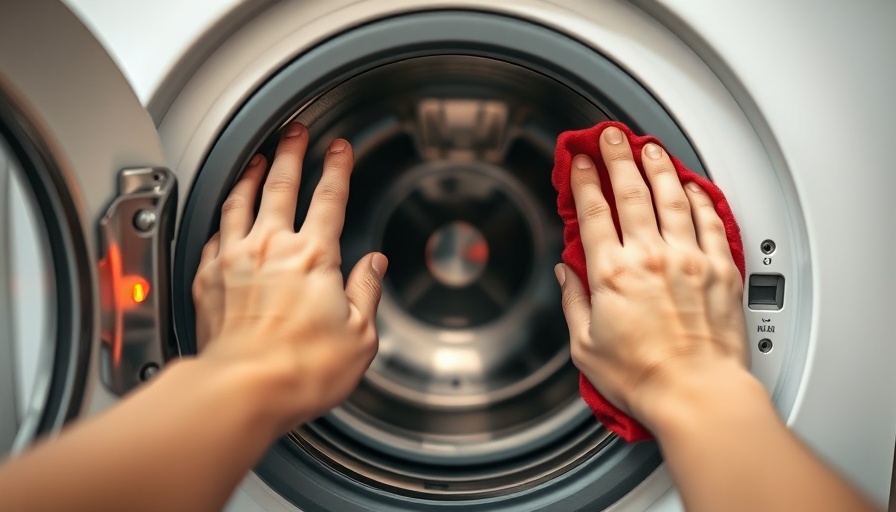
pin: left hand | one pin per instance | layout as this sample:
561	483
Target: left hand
271	299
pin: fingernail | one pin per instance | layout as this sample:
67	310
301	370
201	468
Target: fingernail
581	162
380	263
613	135
255	160
694	187
293	130
338	146
560	272
653	151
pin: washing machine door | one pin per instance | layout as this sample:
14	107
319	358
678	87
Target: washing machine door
84	225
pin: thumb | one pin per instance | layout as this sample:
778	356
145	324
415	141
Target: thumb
365	283
576	304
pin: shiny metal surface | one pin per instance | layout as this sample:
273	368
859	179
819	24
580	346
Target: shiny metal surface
455	482
456	254
136	234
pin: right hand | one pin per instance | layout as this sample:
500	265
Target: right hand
270	300
666	299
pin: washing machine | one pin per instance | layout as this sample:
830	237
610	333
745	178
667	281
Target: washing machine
123	126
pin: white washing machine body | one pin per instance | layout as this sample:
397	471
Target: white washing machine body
787	107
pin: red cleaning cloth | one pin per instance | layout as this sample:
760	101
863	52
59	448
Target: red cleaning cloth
587	142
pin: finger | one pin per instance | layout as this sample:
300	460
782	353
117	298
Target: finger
209	252
326	215
281	188
365	284
672	205
238	210
633	203
576	305
709	227
594	214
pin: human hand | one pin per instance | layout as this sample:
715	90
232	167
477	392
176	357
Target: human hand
666	299
272	301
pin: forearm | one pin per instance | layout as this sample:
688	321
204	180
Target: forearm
181	443
727	450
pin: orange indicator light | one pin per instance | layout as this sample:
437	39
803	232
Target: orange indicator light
133	290
139	291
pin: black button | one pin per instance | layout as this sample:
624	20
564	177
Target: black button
766	291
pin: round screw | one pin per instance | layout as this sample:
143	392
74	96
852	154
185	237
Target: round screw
767	247
765	345
144	220
148	371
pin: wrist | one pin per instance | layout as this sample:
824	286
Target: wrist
692	399
242	391
280	387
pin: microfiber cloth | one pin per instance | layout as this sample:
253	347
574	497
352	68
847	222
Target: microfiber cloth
587	142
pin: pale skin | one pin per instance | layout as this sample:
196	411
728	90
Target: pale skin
283	340
662	336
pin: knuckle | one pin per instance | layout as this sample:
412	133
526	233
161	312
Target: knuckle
611	277
678	205
635	195
316	254
318	250
663	170
233	203
702	203
692	265
713	226
204	280
731	278
255	251
583	178
654	262
281	182
230	257
198	287
209	252
331	192
623	154
594	211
